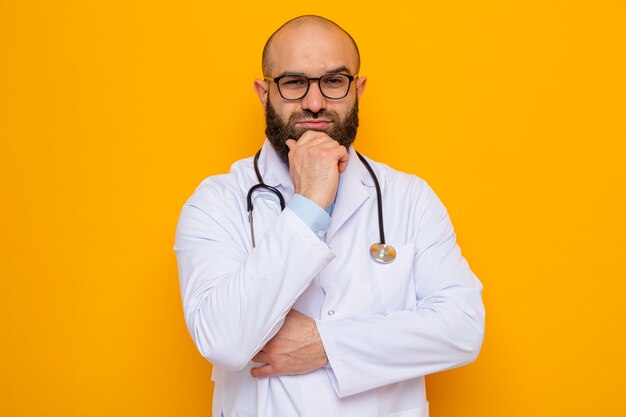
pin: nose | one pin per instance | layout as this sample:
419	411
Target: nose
314	100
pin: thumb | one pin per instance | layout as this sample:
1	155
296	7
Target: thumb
262	371
343	161
290	143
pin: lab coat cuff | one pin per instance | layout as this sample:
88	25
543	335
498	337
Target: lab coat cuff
314	216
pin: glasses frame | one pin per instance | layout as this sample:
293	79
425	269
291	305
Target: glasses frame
276	80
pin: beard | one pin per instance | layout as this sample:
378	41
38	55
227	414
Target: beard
342	131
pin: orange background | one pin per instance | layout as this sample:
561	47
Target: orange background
112	112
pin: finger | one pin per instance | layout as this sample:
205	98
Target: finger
314	136
322	144
344	156
313	142
304	148
263	371
343	153
308	135
294	313
260	357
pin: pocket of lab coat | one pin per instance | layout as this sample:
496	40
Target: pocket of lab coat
395	279
413	412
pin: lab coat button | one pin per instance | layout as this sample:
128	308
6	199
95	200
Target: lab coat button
321	233
331	312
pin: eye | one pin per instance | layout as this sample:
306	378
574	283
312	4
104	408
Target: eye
293	82
334	80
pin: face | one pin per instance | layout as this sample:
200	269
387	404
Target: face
312	50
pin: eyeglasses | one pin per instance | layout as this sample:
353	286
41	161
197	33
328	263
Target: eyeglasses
295	87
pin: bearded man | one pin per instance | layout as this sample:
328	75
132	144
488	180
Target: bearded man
298	312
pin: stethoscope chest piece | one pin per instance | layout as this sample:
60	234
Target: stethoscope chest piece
382	253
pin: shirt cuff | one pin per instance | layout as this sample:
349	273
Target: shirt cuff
315	217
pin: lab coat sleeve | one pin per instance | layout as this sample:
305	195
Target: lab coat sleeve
235	299
444	331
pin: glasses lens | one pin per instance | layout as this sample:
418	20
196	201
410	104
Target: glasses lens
293	87
335	85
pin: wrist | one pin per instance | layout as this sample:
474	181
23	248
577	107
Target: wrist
321	200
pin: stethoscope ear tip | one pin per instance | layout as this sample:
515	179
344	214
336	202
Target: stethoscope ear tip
382	253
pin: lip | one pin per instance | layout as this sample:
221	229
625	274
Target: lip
314	124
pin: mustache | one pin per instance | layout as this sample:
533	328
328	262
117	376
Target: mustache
308	114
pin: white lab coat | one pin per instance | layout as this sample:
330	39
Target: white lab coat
383	326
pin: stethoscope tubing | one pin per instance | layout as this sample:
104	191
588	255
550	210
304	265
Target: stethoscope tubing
379	199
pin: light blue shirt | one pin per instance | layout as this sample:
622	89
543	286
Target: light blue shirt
314	216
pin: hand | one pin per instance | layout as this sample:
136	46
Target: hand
296	349
315	162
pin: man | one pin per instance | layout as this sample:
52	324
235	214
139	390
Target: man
294	312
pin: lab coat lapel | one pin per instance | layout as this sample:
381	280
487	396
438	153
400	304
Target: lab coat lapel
274	171
351	193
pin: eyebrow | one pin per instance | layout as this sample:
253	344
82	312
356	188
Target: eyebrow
337	70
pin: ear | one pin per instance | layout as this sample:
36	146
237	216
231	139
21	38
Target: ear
361	82
261	87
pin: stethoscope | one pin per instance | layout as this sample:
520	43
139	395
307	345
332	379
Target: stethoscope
380	252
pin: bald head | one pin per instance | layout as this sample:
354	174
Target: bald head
303	26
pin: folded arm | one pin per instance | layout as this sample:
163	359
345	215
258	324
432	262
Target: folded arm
443	331
234	300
